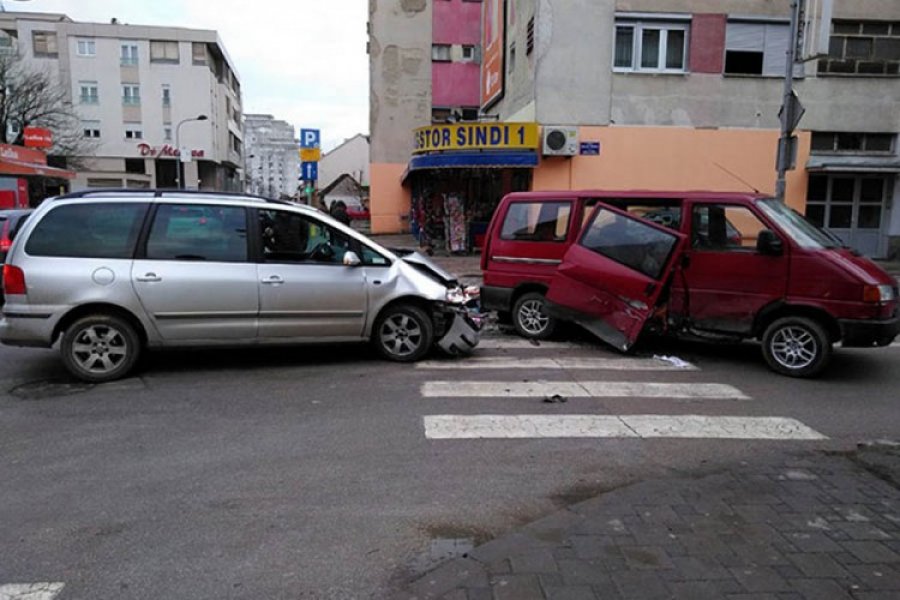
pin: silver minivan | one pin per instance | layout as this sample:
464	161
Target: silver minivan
109	273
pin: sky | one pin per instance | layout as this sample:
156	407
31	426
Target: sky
302	61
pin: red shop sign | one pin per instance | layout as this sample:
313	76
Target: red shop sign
166	151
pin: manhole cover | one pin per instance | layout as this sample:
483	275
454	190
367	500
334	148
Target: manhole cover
40	390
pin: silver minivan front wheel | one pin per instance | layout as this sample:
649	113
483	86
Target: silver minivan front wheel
403	333
796	346
100	348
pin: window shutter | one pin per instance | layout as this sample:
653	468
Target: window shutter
745	36
777	39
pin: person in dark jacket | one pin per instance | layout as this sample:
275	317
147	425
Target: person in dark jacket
339	212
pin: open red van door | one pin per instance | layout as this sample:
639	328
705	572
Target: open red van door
611	280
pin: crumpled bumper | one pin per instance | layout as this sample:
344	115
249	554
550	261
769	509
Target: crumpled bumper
463	335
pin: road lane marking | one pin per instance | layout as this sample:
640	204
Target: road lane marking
582	389
517	343
608	364
30	591
460	427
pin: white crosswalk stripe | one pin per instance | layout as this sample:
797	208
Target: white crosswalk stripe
579	389
575	363
525	355
446	427
30	591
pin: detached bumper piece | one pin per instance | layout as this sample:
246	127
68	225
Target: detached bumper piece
866	334
463	333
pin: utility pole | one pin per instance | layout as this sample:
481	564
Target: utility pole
791	109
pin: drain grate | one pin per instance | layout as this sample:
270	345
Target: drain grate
42	390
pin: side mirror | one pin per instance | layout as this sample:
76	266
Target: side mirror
351	259
769	244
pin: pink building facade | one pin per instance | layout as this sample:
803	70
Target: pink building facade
455	69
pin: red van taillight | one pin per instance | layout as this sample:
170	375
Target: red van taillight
13	280
5	245
878	293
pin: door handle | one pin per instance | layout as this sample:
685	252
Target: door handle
273	280
149	278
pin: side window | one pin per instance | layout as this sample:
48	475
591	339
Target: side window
198	232
724	228
291	237
371	258
629	242
98	230
537	222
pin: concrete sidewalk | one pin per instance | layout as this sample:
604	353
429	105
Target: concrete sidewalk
818	527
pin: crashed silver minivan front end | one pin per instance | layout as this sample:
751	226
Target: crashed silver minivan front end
412	276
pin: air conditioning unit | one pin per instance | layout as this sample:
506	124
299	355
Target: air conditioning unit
560	140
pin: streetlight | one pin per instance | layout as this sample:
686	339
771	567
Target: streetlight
180	171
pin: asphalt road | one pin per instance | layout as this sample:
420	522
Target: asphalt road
306	473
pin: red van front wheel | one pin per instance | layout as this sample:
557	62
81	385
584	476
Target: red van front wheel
796	346
530	317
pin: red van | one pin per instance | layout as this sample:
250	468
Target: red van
716	266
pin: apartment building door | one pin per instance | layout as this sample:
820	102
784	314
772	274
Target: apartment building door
853	206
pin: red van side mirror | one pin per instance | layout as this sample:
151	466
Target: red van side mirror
769	244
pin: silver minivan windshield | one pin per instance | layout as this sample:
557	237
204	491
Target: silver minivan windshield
802	232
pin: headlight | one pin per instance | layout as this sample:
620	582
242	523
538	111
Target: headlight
456	296
878	293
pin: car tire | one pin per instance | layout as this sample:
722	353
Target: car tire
796	347
530	317
403	333
100	348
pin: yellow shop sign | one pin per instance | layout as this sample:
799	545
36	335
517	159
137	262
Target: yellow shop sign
477	136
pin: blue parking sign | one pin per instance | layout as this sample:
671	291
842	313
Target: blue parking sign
309	171
309	138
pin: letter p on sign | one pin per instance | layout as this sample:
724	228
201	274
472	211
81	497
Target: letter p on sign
309	138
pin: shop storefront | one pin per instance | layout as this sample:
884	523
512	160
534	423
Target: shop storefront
25	178
458	175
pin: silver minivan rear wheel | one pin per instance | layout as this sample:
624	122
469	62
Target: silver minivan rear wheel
403	333
100	348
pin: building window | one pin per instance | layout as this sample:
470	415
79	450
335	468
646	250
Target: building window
652	46
856	143
86	47
440	52
129	55
167	133
756	48
7	43
44	43
136	166
89	92
848	201
166	95
468	53
133	131
863	48
198	53
131	95
163	51
90	129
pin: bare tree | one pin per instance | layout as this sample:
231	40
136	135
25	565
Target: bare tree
33	97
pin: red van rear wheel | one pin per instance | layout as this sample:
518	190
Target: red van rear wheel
530	317
796	346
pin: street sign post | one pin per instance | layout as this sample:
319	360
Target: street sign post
310	153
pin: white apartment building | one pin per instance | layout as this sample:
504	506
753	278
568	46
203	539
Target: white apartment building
142	92
273	160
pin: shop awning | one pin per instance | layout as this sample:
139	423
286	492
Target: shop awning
854	164
473	160
9	166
